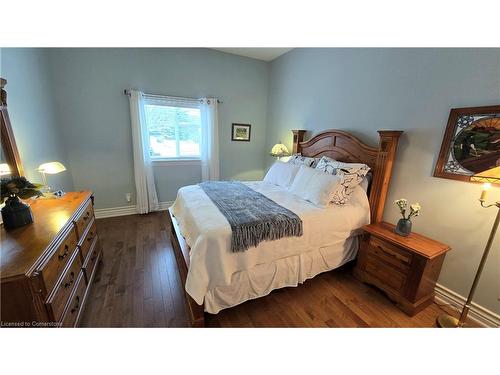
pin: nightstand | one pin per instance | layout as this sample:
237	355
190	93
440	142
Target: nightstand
405	268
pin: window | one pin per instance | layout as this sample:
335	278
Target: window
174	128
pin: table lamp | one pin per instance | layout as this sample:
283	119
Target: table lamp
4	169
279	150
52	167
488	177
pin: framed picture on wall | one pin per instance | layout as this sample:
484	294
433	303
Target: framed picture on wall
471	143
241	132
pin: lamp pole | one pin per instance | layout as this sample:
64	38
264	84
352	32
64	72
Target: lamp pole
448	321
44	181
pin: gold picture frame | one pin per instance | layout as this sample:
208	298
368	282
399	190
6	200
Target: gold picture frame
471	143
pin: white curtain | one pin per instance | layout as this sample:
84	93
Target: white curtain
147	199
209	139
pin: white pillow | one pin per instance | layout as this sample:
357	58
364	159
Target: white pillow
302	160
281	174
315	186
351	174
349	180
330	165
364	184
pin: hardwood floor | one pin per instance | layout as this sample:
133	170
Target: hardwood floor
137	285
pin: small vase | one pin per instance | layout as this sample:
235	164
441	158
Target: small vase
16	213
403	228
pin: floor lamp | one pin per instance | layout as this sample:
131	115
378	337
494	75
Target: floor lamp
488	177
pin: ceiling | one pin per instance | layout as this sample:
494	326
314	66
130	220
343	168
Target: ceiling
265	54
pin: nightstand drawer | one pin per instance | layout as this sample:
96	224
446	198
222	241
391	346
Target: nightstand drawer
405	268
389	253
385	274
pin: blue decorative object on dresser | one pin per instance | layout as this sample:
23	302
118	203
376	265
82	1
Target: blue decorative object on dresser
16	213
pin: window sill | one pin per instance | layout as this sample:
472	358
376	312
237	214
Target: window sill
179	161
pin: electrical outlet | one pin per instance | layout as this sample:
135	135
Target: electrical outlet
128	197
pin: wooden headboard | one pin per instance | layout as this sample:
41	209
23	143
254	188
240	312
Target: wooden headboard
343	146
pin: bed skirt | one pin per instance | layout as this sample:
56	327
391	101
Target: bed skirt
262	279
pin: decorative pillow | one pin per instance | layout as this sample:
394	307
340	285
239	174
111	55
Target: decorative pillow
298	159
281	173
315	186
330	165
367	180
315	163
349	179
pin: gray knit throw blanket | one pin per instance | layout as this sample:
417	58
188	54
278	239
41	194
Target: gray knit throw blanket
253	217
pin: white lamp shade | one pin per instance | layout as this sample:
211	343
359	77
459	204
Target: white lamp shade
490	176
4	169
279	150
52	167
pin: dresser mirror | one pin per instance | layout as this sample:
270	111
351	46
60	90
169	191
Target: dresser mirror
10	161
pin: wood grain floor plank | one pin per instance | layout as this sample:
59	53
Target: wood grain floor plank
137	285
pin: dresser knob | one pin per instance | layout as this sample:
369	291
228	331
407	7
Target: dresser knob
71	280
65	254
77	304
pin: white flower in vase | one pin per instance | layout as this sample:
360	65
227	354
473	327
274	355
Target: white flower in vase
403	227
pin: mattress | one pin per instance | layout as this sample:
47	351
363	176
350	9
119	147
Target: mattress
215	271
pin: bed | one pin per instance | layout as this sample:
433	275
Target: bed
216	278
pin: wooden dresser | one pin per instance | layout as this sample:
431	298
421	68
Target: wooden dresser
405	268
47	267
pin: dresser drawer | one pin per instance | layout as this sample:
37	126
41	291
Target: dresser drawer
84	218
60	295
86	242
385	274
389	253
52	268
92	259
75	303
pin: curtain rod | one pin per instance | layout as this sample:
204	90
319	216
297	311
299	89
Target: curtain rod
127	92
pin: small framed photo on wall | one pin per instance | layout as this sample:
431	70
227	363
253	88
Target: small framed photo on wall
241	132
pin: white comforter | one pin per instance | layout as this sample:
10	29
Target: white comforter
208	233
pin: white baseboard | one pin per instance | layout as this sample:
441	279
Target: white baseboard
102	213
162	206
479	314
